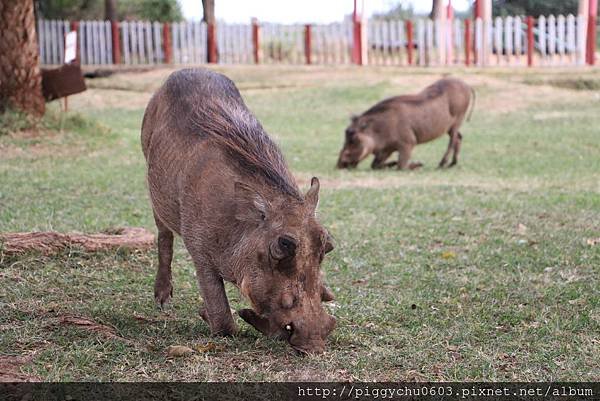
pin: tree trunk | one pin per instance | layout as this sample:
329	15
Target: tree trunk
436	9
110	10
209	11
208	7
20	78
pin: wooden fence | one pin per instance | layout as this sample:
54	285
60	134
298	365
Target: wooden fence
508	41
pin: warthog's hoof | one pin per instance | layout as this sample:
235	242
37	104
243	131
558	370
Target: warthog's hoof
415	165
225	328
163	294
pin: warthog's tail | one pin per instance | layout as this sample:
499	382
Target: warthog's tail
472	104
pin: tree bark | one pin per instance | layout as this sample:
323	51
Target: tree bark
20	77
436	9
208	7
110	10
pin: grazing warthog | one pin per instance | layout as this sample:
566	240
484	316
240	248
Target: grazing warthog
399	123
216	179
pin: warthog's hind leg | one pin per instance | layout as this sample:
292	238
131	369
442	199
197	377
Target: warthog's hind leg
444	160
457	143
163	289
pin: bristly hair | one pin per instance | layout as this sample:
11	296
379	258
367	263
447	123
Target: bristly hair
217	111
239	132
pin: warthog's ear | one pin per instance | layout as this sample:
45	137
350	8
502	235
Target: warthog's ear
312	196
249	204
255	320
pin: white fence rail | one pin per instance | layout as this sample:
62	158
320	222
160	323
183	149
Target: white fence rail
558	40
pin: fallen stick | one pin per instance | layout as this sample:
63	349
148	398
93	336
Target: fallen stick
51	242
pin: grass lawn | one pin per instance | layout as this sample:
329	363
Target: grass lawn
486	271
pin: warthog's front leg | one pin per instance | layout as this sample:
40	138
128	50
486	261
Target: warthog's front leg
379	160
216	311
404	154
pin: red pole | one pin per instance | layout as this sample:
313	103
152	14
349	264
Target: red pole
167	48
116	42
409	41
530	44
591	32
212	43
478	9
307	43
467	42
255	40
356	49
75	27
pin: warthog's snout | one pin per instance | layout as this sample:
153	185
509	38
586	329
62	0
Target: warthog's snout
307	339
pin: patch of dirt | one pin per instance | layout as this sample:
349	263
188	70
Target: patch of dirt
87	324
10	369
98	99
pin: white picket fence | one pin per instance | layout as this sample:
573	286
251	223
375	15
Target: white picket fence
558	41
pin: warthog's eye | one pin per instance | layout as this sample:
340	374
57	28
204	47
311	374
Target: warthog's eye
263	216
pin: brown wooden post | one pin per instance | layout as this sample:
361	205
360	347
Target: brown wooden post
167	48
591	32
212	43
256	40
75	27
467	42
530	43
409	42
116	42
307	43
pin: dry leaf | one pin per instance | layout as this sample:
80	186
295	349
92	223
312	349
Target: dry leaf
210	346
521	229
179	350
448	255
593	241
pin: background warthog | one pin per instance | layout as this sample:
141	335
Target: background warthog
399	123
216	179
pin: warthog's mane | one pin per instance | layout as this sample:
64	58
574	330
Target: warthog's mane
217	111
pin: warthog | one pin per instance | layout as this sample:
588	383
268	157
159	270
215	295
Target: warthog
217	180
399	123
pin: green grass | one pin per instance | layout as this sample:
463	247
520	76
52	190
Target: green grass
482	272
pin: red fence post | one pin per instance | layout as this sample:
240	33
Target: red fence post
467	42
75	27
530	44
256	40
307	43
167	48
591	32
357	48
212	43
409	42
116	42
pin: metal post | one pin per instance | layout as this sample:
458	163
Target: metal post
307	43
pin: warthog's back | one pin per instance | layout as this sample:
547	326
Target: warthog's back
198	118
429	113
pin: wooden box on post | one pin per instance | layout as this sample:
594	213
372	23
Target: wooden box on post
62	81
